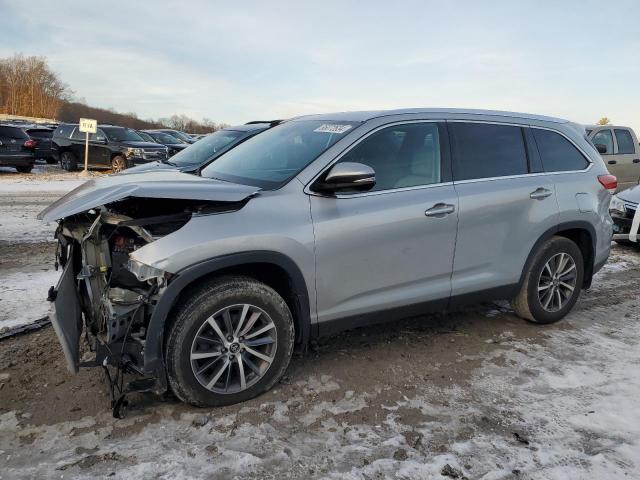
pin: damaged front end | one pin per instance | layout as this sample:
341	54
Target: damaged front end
109	298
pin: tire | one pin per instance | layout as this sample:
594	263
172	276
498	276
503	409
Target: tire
191	334
118	164
68	162
25	169
529	303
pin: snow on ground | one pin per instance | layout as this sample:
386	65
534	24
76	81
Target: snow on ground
24	280
559	404
22	296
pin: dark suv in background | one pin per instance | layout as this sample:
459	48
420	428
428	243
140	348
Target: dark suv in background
206	150
175	133
172	143
17	150
111	147
43	137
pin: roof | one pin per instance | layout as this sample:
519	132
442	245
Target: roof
363	116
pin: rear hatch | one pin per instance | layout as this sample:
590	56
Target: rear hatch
13	139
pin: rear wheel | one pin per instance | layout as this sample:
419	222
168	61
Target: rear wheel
25	169
68	162
552	285
118	164
231	341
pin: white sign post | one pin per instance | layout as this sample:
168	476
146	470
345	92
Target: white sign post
88	126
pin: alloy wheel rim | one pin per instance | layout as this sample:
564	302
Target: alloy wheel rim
557	282
233	348
117	165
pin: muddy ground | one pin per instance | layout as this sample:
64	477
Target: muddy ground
478	393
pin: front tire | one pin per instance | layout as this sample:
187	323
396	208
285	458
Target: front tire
232	340
118	164
552	285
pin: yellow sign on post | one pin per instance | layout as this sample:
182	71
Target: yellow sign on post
88	126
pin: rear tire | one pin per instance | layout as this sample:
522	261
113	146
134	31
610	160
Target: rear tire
209	366
26	169
68	162
552	285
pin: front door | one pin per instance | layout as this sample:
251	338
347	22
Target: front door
393	246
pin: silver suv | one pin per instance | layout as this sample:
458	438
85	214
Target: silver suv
205	284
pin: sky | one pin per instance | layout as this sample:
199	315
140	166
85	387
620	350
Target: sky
238	61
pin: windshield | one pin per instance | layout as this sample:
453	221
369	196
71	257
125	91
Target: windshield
119	134
146	137
271	159
179	135
206	149
164	138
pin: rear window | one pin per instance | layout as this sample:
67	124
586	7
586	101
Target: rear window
625	141
12	132
485	150
558	154
39	133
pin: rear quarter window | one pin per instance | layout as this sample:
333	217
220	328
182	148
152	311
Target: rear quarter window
625	141
557	153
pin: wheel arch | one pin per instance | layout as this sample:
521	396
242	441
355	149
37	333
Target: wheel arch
274	269
582	233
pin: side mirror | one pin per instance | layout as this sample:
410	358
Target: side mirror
346	176
601	148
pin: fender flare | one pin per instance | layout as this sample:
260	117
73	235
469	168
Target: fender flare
574	225
154	345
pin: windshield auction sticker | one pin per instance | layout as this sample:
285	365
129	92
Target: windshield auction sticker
332	128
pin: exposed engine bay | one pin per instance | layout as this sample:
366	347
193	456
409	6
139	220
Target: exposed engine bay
106	296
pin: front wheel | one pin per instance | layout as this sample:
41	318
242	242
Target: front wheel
118	164
68	162
231	341
552	285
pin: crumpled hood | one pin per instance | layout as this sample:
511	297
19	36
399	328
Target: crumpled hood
630	194
158	184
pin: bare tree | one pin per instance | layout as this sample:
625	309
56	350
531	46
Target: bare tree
29	87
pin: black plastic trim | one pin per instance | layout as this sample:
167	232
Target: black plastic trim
153	351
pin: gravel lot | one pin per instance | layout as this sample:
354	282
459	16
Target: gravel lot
478	393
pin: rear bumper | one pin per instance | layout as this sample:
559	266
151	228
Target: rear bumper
17	160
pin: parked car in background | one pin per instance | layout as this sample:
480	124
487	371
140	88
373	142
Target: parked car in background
43	137
145	136
620	150
174	133
198	136
111	147
626	216
17	150
207	150
172	143
321	224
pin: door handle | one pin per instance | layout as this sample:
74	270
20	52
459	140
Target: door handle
612	162
636	160
440	210
540	193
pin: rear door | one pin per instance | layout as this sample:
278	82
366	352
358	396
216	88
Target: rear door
627	157
505	204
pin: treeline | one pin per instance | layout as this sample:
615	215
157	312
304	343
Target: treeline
28	87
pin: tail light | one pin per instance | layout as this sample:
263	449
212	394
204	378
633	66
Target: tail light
610	182
30	143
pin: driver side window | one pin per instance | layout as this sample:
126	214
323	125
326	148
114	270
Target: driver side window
402	156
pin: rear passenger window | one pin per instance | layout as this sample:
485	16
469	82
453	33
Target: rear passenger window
625	141
78	135
402	156
485	150
558	154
